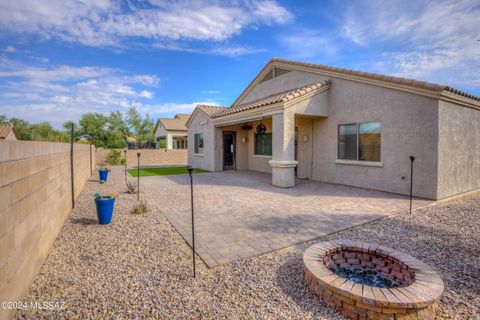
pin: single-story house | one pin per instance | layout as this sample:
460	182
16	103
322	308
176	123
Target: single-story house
8	132
172	133
346	127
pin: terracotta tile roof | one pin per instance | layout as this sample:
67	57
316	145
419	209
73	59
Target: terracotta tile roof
211	110
5	130
397	80
275	98
183	116
174	124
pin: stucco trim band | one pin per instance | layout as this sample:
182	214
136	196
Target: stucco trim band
360	163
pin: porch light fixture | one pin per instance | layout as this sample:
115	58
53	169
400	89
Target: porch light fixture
261	129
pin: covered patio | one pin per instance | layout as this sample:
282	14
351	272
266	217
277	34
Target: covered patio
241	215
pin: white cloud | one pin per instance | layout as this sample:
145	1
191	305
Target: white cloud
218	50
109	22
146	94
430	40
165	108
305	43
211	91
61	93
9	49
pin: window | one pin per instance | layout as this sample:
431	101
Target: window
199	143
359	141
263	144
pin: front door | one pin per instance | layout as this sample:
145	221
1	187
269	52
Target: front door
229	150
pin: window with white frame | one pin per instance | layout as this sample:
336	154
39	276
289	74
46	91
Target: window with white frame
199	149
359	141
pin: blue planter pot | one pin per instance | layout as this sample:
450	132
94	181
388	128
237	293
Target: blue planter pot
105	206
103	175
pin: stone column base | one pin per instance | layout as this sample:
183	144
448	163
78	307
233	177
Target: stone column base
283	173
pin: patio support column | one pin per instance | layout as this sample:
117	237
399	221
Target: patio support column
283	149
169	141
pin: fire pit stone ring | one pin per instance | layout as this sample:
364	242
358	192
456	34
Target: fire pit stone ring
368	281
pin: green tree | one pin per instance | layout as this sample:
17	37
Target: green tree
117	130
22	127
95	124
141	127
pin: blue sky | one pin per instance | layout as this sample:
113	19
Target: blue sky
60	59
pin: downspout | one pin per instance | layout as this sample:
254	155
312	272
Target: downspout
311	157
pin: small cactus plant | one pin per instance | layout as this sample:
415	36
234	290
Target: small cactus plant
140	208
131	187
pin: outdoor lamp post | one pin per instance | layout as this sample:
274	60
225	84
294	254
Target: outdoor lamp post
412	158
125	154
190	173
138	176
71	165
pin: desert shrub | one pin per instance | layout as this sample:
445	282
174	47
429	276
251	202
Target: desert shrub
131	186
123	161
113	157
140	208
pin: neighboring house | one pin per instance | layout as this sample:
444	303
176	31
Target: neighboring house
171	133
8	132
345	127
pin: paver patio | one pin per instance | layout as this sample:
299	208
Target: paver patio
240	214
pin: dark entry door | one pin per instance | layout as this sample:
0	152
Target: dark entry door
229	146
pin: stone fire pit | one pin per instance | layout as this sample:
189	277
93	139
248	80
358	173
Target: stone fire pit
368	281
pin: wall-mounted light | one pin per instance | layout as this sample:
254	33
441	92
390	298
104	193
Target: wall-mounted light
305	138
244	139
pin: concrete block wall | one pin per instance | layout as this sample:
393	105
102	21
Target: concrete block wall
149	157
35	200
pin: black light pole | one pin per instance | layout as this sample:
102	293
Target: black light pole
125	153
412	158
190	173
71	166
138	176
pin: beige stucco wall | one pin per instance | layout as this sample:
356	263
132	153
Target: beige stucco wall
255	162
409	127
241	154
148	157
288	81
201	123
305	151
11	136
245	158
169	135
35	200
458	149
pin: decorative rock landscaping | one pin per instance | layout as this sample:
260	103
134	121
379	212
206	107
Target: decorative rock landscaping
139	267
416	293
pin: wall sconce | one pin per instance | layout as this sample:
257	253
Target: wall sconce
305	138
244	139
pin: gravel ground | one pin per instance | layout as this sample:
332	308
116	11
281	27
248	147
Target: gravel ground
140	268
